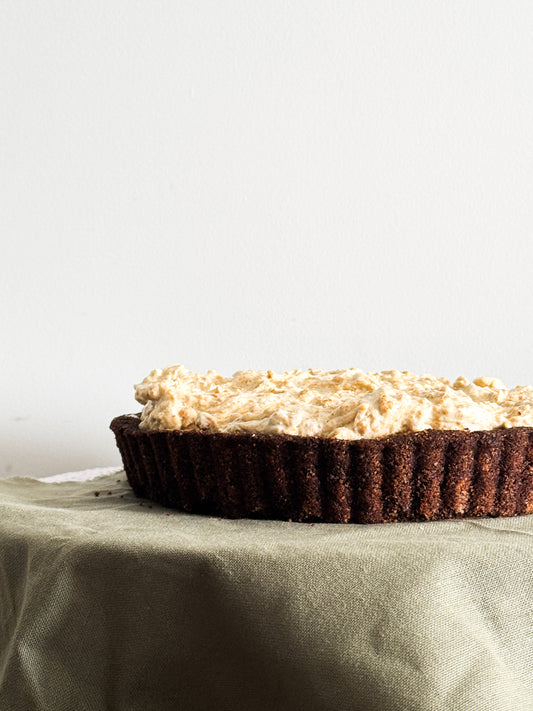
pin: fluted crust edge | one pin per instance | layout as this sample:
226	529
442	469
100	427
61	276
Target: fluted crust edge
416	476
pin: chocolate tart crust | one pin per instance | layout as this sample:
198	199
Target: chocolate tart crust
416	476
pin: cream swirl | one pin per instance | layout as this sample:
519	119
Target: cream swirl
343	404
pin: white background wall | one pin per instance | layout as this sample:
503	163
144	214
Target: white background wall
255	184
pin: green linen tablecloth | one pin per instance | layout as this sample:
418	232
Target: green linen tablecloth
107	602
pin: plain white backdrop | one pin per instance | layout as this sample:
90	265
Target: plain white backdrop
255	184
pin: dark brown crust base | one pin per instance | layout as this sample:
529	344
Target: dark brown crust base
417	476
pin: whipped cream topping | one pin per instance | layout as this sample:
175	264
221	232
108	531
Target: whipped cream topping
346	404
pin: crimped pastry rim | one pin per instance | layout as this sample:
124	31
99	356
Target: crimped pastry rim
414	476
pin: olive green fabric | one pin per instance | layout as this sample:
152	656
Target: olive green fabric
109	604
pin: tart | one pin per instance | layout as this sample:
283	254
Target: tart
330	446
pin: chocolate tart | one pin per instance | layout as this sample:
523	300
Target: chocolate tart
416	476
